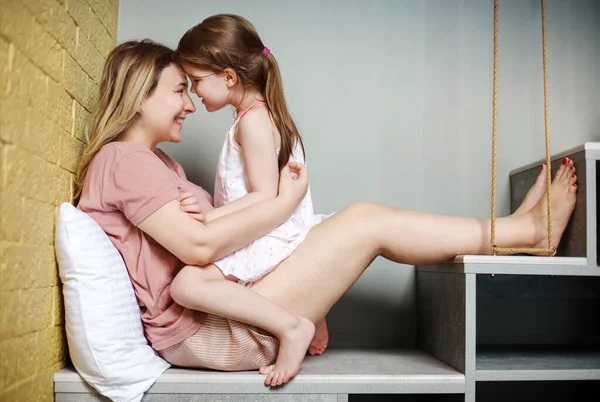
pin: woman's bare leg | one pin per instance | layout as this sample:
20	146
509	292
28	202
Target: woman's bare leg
533	196
336	252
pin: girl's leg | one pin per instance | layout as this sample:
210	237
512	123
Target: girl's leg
206	289
337	251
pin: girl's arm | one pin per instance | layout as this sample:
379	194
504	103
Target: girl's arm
255	134
197	243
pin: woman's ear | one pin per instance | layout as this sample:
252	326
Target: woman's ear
231	78
140	110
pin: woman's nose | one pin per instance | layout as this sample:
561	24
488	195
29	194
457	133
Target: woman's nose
189	105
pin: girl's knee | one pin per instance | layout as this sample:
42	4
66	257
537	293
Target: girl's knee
181	284
188	282
185	282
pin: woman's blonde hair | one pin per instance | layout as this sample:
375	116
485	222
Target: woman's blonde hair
130	74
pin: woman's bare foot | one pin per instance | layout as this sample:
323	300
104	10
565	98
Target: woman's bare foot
292	350
535	192
564	188
319	342
539	188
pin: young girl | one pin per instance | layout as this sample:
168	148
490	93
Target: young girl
228	65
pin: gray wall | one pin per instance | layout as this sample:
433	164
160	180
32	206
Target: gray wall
394	101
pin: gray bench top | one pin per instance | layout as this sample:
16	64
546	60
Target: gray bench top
516	265
337	371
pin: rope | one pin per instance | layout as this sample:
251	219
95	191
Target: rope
494	117
551	250
547	130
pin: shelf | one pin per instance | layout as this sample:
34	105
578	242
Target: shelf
337	371
591	149
537	364
515	265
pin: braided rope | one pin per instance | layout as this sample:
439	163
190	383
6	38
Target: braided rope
551	250
494	121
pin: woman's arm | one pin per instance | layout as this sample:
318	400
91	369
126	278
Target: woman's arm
197	243
256	138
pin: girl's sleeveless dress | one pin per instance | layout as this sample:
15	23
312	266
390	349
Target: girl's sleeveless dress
258	258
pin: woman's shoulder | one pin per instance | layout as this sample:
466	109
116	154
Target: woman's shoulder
124	156
170	162
119	150
115	153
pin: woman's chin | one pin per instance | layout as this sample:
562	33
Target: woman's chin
175	137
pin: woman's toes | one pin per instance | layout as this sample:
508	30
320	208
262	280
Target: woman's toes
565	172
573	179
560	172
573	188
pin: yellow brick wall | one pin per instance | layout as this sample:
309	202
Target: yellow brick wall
51	57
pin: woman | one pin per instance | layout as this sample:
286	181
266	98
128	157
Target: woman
131	189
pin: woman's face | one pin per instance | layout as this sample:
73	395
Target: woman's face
165	109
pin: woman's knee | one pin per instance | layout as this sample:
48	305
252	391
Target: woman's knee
364	209
368	218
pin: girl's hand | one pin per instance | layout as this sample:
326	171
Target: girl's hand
293	182
190	205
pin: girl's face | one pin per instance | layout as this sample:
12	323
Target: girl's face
165	109
212	88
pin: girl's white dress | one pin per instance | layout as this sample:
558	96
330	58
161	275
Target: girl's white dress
256	259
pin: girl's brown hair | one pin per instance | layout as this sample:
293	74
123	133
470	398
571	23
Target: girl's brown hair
230	41
130	74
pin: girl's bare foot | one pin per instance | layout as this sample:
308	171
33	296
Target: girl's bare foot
319	342
564	188
292	350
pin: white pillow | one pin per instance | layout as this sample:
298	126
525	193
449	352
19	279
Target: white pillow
102	317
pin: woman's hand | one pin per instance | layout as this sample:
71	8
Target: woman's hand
190	205
293	182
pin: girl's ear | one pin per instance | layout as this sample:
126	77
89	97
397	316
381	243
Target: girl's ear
231	78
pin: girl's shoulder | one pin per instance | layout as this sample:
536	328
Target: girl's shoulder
253	122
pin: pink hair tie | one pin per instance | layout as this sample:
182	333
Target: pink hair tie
266	51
